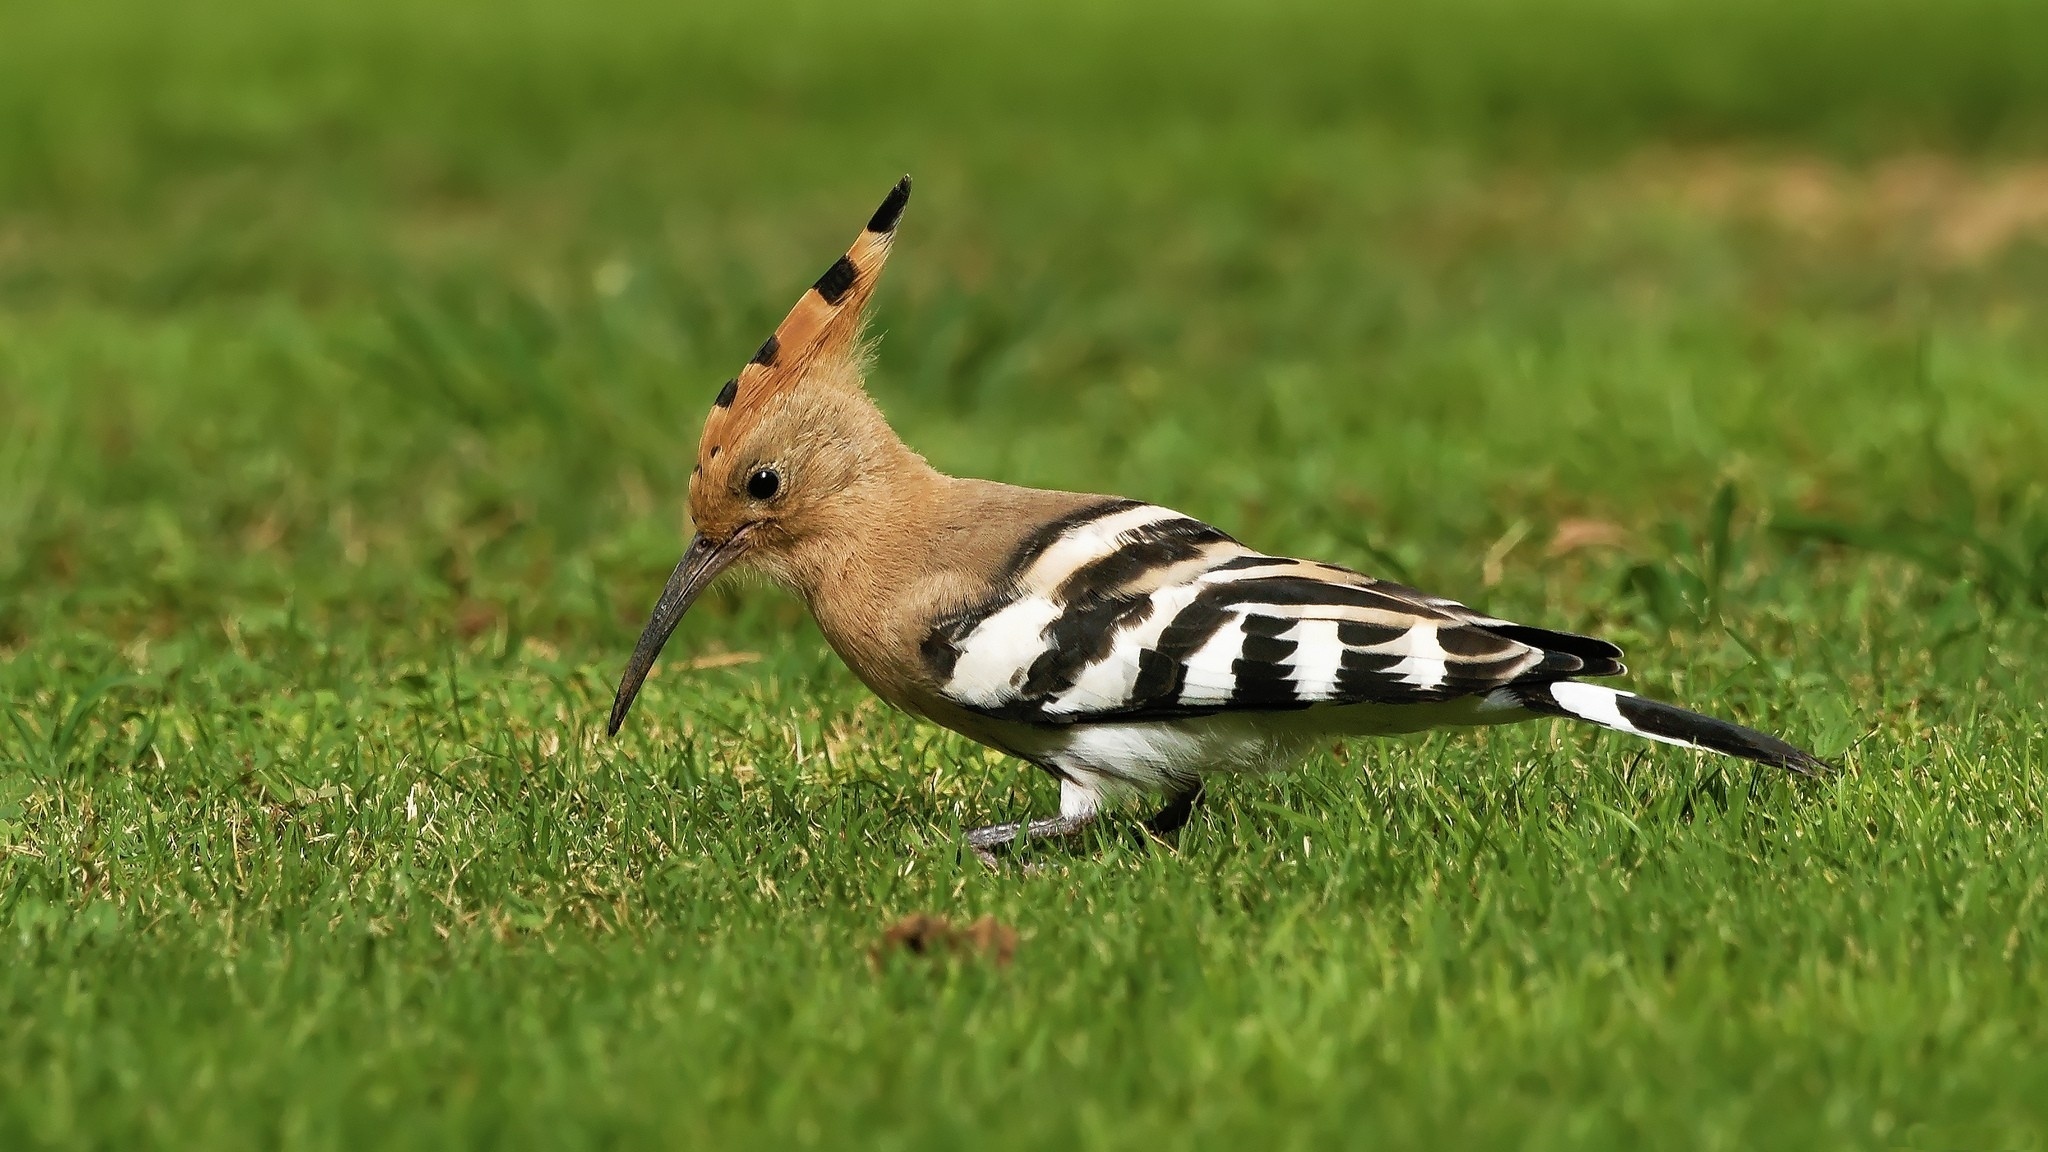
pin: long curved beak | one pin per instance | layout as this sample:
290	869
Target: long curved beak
702	561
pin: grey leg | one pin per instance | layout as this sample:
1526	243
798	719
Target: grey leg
1078	805
995	838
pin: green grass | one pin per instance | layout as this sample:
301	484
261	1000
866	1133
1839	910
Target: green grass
351	364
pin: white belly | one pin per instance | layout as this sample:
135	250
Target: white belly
1113	759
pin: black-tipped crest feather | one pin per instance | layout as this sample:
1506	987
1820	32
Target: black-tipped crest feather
885	217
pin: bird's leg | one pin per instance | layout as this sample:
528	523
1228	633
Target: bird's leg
996	838
1078	805
1177	811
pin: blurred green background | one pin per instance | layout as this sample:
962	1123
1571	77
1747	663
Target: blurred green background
352	357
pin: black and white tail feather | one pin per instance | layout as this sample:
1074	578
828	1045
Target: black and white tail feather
1666	723
1132	646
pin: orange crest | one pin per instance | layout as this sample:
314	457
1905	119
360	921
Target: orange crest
824	325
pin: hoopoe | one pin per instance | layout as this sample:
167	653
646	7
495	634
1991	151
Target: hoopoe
1122	647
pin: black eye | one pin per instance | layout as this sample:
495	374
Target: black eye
764	484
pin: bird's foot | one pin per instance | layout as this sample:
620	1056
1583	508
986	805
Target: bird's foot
1175	815
992	842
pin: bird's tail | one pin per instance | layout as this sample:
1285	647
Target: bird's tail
1627	712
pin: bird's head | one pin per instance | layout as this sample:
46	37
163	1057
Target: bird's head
790	447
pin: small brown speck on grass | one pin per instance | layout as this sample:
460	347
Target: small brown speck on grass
474	618
925	935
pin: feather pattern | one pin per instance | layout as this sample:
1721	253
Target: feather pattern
1128	612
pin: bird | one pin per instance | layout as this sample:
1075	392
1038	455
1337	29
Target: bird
1128	650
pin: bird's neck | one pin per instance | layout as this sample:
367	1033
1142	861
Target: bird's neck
913	545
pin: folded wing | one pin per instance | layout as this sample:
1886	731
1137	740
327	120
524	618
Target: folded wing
1127	611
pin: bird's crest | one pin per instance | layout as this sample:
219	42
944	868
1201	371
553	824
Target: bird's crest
824	326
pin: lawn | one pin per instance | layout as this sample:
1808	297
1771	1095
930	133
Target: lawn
352	358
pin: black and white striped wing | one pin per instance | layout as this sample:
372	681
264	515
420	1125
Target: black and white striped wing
1128	611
